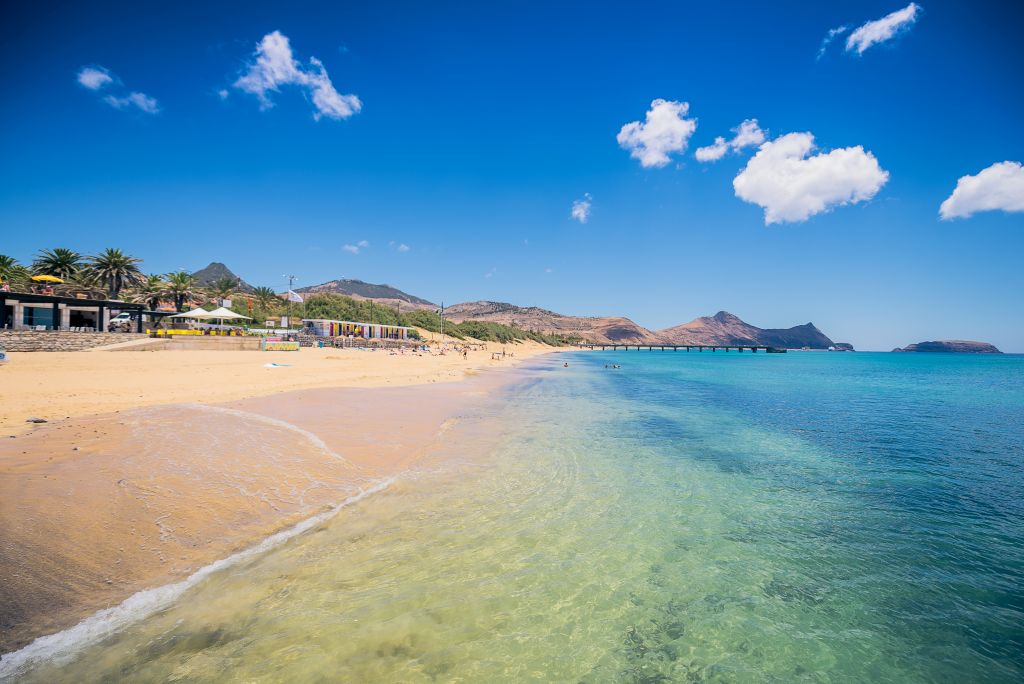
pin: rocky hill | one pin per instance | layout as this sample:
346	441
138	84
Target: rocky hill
206	277
357	289
955	346
725	328
607	329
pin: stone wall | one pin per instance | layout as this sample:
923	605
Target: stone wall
48	340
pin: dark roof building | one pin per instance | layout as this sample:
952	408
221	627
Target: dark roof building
29	311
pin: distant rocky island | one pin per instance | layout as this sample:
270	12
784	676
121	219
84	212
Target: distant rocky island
954	346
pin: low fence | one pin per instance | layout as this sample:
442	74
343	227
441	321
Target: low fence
196	333
356	343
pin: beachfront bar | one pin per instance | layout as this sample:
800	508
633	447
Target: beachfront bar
29	311
320	327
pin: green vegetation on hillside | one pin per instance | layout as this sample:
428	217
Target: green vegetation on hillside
113	273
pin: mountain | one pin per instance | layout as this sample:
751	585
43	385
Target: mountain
956	346
217	271
607	329
357	289
725	328
721	329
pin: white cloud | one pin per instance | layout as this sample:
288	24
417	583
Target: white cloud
223	94
403	247
490	274
275	66
791	186
665	131
883	29
549	270
581	208
356	248
97	77
829	37
747	134
94	78
712	152
999	187
141	101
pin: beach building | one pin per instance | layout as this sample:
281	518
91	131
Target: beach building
320	327
30	311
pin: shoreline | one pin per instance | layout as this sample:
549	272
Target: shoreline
98	508
60	385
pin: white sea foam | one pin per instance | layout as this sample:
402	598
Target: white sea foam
316	441
61	647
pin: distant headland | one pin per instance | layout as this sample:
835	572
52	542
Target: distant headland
954	346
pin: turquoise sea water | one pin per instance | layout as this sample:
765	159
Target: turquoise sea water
688	517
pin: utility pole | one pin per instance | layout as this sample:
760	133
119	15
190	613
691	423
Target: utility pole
442	321
288	297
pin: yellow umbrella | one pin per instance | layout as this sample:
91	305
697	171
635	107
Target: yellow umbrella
47	279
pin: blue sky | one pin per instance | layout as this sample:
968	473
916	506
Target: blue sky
478	127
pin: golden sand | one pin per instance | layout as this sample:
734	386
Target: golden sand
64	384
109	498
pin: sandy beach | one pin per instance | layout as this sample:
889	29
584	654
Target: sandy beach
60	385
155	464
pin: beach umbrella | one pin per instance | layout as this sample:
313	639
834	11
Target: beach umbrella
226	314
197	312
46	279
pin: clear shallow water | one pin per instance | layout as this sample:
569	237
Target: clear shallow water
688	517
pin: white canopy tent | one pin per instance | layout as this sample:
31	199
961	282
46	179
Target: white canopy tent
198	313
225	314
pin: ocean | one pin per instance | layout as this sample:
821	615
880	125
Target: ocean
688	517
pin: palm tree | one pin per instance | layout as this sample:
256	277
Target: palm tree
265	298
7	266
150	291
223	288
86	281
180	286
116	269
13	273
60	262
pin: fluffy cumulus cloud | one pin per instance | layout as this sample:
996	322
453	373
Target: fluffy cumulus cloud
747	134
94	77
403	247
881	30
666	131
792	186
274	66
713	152
999	187
581	208
140	101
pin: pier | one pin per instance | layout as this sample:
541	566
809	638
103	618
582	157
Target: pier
688	347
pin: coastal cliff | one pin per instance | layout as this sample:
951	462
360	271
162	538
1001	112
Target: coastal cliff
953	346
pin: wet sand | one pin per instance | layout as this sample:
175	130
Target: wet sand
97	508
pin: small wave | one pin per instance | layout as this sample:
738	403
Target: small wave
319	443
60	647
